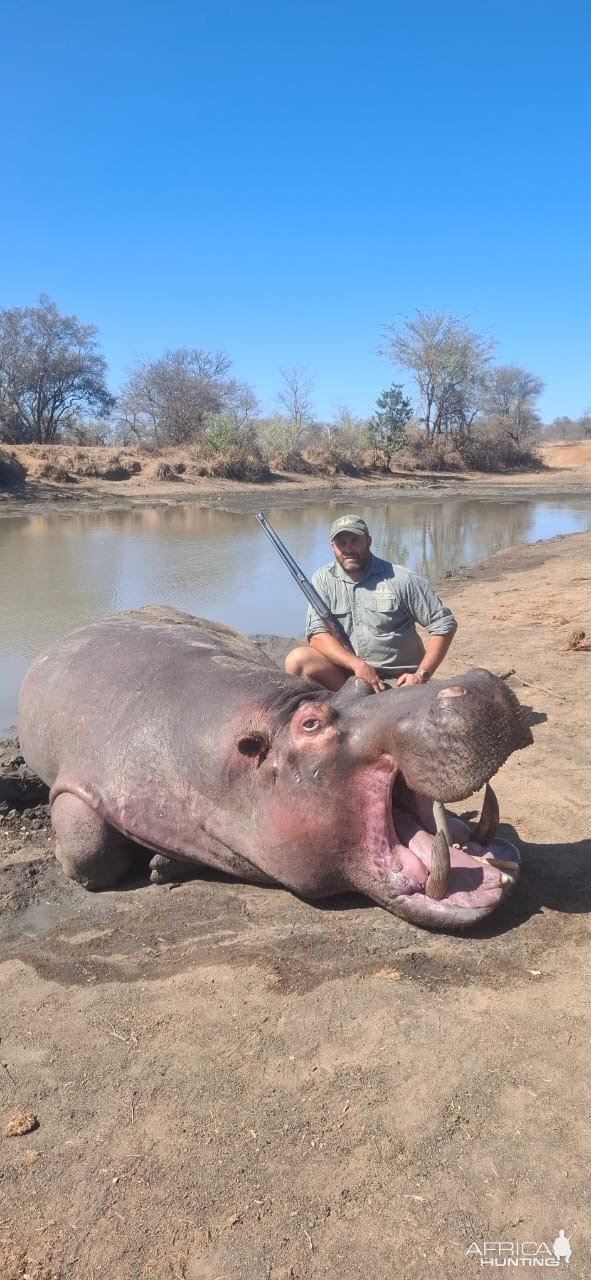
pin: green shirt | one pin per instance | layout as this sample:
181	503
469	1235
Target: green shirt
379	612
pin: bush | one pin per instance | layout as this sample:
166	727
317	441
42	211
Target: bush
241	466
12	472
295	462
114	472
439	454
488	453
163	471
346	467
56	471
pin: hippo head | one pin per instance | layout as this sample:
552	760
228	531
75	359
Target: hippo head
351	792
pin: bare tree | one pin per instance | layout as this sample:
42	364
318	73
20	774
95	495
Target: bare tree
241	402
565	428
295	399
448	361
511	393
51	373
167	401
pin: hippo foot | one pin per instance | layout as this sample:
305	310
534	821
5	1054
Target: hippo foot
89	849
165	871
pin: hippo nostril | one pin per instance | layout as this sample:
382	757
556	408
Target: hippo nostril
455	691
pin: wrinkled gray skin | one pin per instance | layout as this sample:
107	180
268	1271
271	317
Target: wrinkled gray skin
180	735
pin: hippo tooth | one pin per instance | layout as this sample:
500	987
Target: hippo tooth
441	823
438	878
499	863
489	818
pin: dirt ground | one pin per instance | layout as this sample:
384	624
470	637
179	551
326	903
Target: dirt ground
233	1084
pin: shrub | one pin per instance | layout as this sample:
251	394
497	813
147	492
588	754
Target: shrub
114	471
295	462
12	472
163	471
237	465
56	471
438	454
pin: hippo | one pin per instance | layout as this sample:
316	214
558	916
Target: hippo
159	729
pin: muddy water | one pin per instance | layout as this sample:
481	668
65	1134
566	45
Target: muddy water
58	572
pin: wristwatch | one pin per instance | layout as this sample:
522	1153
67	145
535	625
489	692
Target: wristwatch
423	674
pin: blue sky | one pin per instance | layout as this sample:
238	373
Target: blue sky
280	179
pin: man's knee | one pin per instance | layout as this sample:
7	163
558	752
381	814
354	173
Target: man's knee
296	661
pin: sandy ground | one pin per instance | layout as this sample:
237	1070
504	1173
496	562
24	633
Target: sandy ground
231	1083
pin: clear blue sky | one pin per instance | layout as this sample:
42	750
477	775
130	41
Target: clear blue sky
281	178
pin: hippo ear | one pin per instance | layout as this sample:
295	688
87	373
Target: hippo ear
254	744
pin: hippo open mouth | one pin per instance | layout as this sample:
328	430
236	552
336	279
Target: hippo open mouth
461	873
424	749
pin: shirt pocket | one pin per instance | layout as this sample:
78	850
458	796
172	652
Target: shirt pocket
345	618
382	613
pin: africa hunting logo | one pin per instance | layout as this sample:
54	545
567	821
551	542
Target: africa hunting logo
529	1253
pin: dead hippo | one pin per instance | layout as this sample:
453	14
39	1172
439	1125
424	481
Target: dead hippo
180	735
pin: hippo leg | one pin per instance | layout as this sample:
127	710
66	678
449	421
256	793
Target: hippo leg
90	851
165	871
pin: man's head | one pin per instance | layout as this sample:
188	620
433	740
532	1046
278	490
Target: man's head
351	541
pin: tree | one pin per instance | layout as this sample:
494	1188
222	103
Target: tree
166	401
449	362
511	393
295	397
567	429
386	430
51	373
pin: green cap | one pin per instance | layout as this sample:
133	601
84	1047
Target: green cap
348	524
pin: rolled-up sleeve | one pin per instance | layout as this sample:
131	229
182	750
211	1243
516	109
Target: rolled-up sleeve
427	608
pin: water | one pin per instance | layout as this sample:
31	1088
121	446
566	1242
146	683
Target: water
58	572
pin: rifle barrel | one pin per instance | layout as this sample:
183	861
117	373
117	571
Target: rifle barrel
332	624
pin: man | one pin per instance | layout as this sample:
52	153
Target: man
378	604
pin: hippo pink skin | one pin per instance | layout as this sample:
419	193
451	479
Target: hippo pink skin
178	734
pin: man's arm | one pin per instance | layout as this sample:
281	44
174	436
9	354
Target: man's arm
435	652
335	652
428	609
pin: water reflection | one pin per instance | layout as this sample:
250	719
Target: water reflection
58	572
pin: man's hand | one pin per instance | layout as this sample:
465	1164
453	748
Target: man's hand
363	671
409	677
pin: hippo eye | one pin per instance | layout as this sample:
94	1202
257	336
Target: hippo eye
310	725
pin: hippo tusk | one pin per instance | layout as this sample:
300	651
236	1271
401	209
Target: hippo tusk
489	818
438	878
441	823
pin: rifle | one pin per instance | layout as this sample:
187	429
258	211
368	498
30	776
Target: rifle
331	623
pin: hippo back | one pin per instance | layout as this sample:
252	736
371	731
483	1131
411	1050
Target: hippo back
154	684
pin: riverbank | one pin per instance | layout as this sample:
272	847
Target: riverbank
228	1081
566	471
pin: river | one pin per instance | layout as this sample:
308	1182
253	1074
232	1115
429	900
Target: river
58	572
